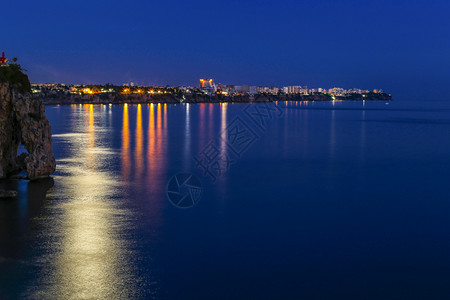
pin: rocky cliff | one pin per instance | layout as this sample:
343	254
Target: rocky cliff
23	120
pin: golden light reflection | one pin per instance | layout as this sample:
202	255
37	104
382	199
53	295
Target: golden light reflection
90	124
139	142
159	119
165	116
151	138
88	256
126	164
156	159
159	129
91	130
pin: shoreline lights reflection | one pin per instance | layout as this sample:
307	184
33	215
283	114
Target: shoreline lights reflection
157	148
139	143
126	163
86	255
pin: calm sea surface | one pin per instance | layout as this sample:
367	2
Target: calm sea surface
344	200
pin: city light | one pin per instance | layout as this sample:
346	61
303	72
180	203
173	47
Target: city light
210	88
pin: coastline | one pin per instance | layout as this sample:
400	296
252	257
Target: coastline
114	98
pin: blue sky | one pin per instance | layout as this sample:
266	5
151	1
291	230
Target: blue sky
400	46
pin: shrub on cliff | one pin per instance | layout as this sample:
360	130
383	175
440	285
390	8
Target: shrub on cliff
13	74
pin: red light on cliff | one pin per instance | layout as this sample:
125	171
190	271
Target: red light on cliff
3	58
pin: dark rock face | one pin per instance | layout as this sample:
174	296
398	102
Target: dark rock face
23	120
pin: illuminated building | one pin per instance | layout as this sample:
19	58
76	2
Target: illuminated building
208	86
206	83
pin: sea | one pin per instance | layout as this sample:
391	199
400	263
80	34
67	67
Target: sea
283	200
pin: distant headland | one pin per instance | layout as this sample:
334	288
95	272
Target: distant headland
207	92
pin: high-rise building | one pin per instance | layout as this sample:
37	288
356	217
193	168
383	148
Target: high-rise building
208	85
292	89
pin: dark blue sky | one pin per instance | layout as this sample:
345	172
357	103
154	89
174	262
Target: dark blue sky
400	46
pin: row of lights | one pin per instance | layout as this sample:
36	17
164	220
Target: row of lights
126	91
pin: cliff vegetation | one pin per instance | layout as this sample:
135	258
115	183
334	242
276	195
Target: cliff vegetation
13	74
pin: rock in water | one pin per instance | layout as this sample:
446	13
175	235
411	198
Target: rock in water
23	120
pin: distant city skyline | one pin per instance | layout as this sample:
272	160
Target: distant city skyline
206	87
399	46
211	86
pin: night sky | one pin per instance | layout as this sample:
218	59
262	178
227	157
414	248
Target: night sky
400	46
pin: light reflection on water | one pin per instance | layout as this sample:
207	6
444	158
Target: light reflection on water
187	138
223	131
316	201
86	254
139	142
126	159
85	245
